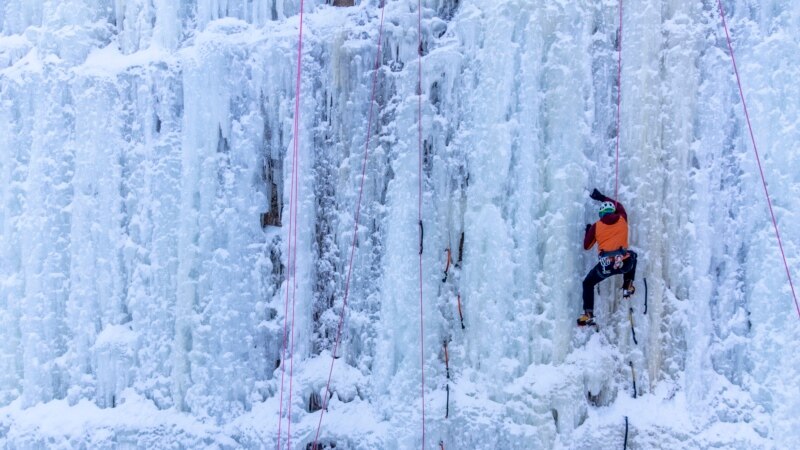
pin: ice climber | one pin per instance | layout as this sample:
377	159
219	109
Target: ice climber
611	235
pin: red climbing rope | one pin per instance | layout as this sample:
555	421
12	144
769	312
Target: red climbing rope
294	232
355	232
758	158
419	128
619	101
285	313
285	323
291	256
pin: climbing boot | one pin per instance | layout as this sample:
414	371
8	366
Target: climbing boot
628	289
586	319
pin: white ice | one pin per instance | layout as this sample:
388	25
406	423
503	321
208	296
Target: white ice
142	303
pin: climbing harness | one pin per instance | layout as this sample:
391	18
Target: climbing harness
613	259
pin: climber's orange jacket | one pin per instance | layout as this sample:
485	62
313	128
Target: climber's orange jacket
610	232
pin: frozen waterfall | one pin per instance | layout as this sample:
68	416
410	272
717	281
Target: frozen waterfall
145	169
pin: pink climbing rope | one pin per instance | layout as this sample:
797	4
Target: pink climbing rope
619	102
355	231
758	158
419	208
291	240
285	313
294	231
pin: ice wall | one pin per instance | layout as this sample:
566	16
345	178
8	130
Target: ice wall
145	164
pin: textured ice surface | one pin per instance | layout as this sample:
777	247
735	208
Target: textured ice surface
142	304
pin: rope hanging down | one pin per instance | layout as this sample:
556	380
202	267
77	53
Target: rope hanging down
446	265
619	102
625	445
645	295
758	158
285	315
355	232
447	371
419	208
633	329
294	267
291	244
633	378
460	314
294	298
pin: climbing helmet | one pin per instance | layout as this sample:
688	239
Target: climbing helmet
607	208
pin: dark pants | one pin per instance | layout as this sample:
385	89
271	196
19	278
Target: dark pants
597	275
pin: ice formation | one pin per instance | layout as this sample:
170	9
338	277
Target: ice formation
144	143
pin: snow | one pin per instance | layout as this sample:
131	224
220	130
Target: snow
110	62
58	424
142	304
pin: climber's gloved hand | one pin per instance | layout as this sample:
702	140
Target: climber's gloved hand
596	195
